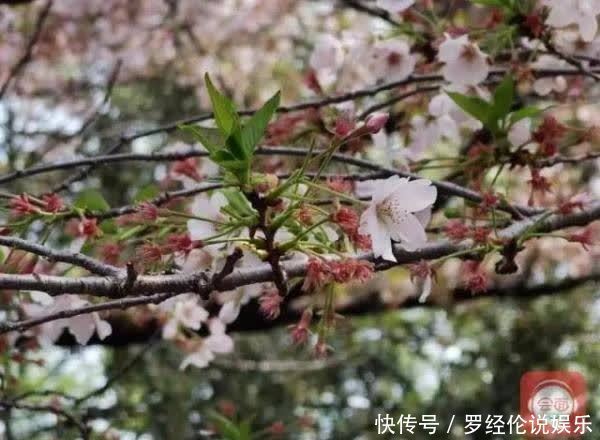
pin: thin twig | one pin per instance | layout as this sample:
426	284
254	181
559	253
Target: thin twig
27	55
75	258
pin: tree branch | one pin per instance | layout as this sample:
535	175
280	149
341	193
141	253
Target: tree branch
157	288
445	187
26	57
77	259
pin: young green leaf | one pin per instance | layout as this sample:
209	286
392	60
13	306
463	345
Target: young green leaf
147	192
525	112
254	129
226	116
210	138
476	107
503	98
238	202
91	200
235	145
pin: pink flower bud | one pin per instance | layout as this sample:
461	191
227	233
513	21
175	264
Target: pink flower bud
376	122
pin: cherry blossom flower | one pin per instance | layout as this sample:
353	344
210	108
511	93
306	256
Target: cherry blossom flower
480	234
21	205
227	408
300	331
442	105
82	327
571	42
585	237
234	300
186	313
270	303
148	211
347	220
276	429
446	121
149	253
395	6
88	227
399	210
209	208
53	203
181	243
376	121
583	13
351	269
321	348
578	201
326	59
339	185
426	132
555	83
550	131
465	63
218	342
111	252
476	280
539	184
392	60
520	132
423	272
343	126
188	168
317	274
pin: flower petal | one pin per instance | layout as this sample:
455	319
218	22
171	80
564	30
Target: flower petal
408	231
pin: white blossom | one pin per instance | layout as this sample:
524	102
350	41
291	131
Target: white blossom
186	313
395	6
465	63
442	104
326	59
426	132
582	13
218	342
399	211
235	299
210	209
555	83
392	60
571	43
520	132
82	327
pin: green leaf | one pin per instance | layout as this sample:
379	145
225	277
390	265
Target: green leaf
226	428
504	96
227	160
235	145
91	200
109	227
503	4
238	202
525	112
254	128
476	107
226	116
147	192
210	138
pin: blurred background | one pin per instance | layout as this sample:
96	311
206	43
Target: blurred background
103	69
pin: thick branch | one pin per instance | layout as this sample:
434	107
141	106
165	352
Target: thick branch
157	288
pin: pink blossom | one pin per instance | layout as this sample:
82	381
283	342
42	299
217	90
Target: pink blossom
300	331
270	303
376	121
